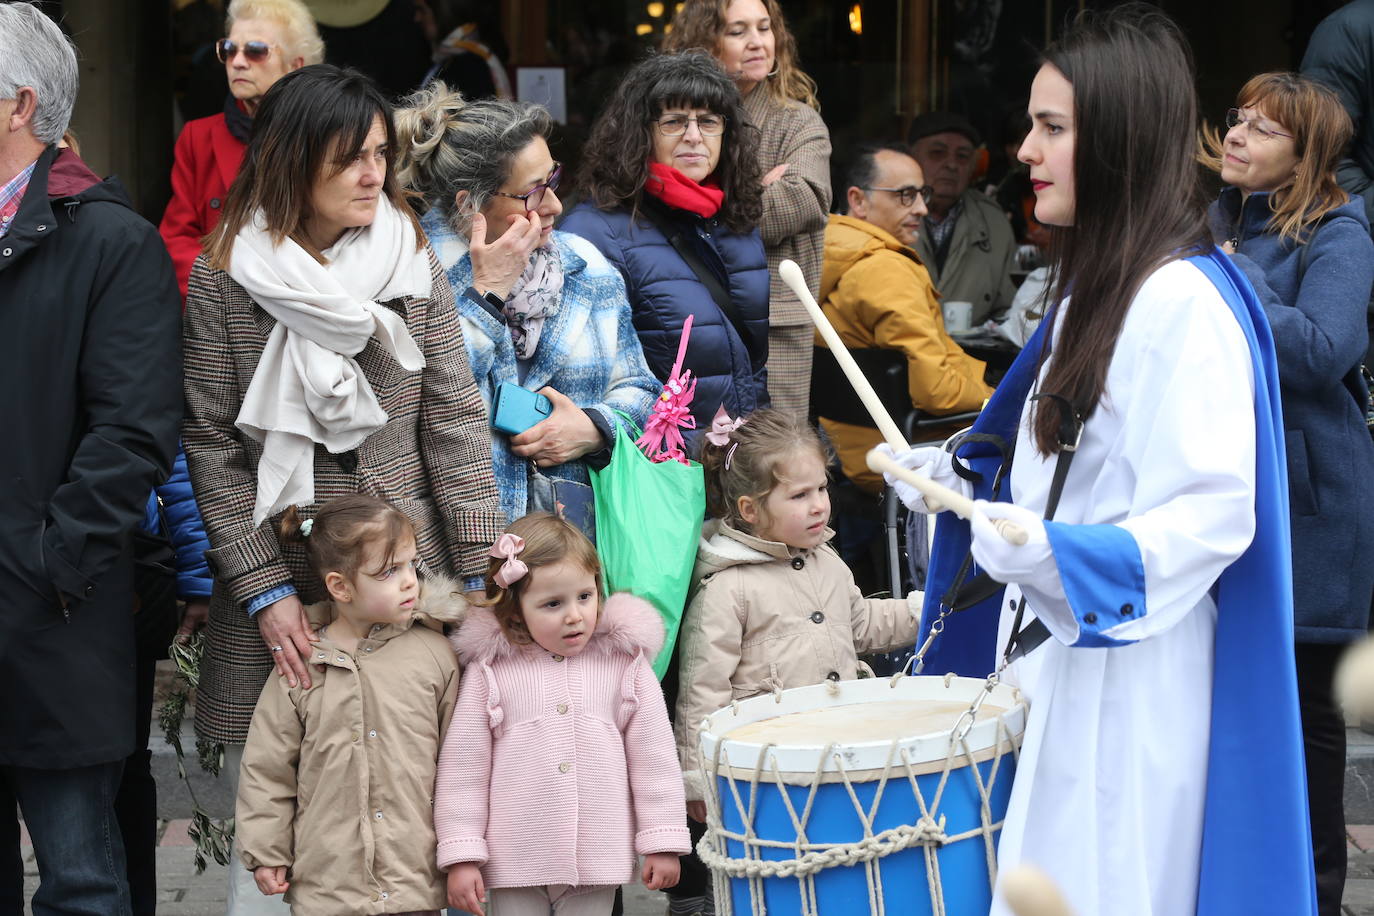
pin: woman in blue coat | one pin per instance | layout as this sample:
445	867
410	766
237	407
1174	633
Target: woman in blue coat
1305	245
674	199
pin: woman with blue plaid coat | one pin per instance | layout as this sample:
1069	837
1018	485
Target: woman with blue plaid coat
539	308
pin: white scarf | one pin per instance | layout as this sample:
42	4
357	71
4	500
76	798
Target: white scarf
307	388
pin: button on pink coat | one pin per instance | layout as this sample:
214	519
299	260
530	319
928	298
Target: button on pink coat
560	770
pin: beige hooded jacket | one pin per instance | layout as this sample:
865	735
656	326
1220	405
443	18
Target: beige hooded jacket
765	616
337	781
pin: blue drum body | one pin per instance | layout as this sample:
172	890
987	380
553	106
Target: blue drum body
765	789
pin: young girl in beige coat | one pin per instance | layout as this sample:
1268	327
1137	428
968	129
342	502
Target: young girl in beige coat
337	784
773	605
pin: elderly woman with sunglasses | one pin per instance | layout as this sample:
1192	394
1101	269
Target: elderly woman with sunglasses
1305	245
540	309
267	39
672	180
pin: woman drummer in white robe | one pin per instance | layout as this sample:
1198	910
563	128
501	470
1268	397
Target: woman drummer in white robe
1167	379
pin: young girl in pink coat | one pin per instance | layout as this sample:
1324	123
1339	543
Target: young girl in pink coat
559	767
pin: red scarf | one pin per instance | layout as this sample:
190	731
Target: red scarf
677	190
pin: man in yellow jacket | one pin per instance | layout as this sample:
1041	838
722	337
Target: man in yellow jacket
877	293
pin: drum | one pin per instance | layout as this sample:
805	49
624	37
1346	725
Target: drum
879	796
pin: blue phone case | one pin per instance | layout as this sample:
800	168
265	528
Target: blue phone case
516	409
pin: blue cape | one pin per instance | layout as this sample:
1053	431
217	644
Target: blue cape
1256	842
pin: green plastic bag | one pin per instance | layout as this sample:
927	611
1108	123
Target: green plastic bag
648	522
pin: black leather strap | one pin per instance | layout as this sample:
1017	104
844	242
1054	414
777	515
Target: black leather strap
1023	640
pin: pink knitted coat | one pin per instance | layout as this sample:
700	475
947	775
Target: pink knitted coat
560	770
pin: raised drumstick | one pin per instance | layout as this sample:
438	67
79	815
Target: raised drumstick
791	275
1030	892
955	502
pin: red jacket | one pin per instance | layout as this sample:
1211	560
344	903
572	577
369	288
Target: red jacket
207	159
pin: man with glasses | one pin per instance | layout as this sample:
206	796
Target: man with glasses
878	294
92	357
967	242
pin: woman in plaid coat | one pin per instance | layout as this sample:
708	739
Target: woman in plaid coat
325	358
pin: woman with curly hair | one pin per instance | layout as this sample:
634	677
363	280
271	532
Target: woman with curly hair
750	41
672	185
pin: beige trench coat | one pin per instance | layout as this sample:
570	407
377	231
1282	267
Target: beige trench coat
337	781
766	616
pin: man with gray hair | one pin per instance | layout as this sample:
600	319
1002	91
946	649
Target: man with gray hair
91	361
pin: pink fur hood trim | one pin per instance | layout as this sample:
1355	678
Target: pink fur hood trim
628	624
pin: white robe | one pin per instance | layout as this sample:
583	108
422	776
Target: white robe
1109	791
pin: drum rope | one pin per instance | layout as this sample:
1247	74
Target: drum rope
811	858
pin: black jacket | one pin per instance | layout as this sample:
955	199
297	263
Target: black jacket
1341	55
90	365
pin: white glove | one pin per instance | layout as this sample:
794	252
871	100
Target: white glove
1004	561
929	461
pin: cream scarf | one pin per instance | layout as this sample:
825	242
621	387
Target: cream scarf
307	388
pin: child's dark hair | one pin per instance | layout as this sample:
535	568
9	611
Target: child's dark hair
549	540
343	528
757	453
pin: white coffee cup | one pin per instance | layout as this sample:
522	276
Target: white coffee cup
958	316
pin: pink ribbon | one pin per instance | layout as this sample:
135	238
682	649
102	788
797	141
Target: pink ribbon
722	426
512	571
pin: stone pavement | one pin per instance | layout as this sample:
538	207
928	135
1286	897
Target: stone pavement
181	892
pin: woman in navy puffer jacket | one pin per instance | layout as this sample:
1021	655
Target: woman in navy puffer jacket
671	156
1305	245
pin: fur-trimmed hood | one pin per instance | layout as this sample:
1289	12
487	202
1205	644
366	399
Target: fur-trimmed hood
627	624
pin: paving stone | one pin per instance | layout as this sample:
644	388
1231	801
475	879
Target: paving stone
1358	899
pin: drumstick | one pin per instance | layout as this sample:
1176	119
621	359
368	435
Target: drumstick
955	502
791	274
1030	892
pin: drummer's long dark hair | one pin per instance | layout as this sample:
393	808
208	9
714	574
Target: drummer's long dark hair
1140	201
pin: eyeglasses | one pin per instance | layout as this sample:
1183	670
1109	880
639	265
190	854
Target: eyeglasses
1234	116
535	195
907	195
709	125
256	51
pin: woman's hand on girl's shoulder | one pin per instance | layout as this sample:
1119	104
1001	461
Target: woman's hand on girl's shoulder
661	869
465	888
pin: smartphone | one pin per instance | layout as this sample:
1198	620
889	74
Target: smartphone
516	409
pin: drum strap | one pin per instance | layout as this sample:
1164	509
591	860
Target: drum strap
1024	640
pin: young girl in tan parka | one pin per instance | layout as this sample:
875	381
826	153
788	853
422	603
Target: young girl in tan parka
773	605
337	784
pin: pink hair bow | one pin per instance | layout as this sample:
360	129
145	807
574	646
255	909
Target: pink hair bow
512	571
722	426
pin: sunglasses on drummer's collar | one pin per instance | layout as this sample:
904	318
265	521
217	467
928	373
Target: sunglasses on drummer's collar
256	50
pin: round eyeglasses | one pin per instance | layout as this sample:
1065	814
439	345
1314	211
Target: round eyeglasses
256	51
709	125
535	195
1235	116
907	195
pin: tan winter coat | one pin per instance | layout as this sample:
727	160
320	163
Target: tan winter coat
763	616
337	781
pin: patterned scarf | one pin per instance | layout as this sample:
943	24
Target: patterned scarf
534	299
